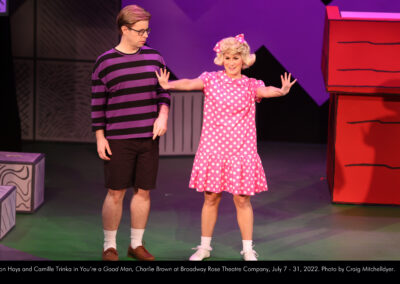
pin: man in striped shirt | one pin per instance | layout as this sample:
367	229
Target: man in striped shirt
129	112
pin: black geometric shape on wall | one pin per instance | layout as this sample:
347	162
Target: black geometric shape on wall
9	115
171	74
14	5
295	117
326	2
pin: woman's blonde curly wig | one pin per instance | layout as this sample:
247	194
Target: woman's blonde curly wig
232	45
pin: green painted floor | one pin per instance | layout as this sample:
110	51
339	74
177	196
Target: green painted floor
294	220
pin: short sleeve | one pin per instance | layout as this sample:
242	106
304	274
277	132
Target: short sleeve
205	77
255	85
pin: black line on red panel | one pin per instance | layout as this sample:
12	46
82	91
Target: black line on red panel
369	69
371	121
373	165
370	42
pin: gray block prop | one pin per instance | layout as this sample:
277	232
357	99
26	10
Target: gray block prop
8	195
25	171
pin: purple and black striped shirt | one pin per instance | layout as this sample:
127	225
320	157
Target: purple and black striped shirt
126	95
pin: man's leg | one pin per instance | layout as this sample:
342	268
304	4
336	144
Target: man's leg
140	209
145	180
111	215
112	209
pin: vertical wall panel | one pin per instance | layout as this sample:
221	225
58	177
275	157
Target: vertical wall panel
184	124
167	141
63	101
53	76
22	30
177	118
76	29
197	119
24	84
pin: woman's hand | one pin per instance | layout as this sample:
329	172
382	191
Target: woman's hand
163	79
286	84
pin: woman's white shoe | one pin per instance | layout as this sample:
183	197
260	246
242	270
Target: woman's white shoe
201	253
249	255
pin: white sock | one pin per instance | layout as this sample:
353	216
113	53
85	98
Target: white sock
205	242
247	245
110	239
136	237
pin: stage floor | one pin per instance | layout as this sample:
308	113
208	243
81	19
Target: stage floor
294	220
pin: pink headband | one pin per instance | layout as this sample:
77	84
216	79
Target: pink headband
239	38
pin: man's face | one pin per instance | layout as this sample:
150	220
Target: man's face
136	34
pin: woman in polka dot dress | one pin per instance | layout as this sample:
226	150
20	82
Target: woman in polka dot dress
227	158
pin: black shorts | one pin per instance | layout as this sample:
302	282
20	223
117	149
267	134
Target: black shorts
133	163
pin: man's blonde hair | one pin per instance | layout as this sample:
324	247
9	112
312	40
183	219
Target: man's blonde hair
130	15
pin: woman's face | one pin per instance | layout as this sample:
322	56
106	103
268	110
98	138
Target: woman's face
233	63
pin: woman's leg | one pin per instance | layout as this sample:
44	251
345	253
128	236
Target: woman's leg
209	213
245	219
244	212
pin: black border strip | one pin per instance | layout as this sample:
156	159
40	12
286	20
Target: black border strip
173	124
183	123
35	27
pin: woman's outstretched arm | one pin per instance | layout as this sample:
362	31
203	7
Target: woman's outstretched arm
271	92
181	85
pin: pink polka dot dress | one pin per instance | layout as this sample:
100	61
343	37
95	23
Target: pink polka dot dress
227	158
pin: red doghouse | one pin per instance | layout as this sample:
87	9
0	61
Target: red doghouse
361	67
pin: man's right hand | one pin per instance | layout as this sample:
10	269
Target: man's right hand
102	146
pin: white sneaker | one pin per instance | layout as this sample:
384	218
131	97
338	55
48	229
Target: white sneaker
249	255
201	253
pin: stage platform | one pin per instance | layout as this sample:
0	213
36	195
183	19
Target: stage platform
294	220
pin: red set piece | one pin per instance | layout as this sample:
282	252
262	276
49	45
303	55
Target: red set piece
361	68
